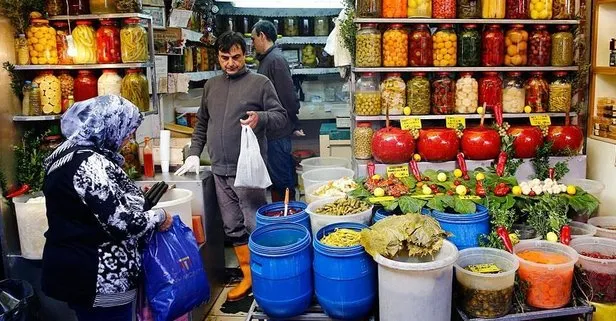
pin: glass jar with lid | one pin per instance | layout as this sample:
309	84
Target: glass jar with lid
108	43
537	91
562	9
562	47
62	33
291	26
514	94
393	94
516	42
22	54
130	152
309	56
50	93
444	45
517	9
321	26
368	8
493	46
419	8
86	85
306	26
469	46
109	83
443	94
42	43
188	59
444	9
368	46
78	7
540	9
466	94
418	94
134	41
67	84
135	89
540	48
490	90
469	9
493	9
560	93
84	37
362	140
420	46
102	6
55	7
394	8
395	46
128	6
367	95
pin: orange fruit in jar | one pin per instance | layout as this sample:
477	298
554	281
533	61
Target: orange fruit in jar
451	51
515	36
53	60
34	60
512	50
524	60
516	60
524	35
452	37
440	45
522	46
507	60
508	42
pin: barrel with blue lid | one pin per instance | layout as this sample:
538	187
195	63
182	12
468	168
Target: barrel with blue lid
465	228
274	213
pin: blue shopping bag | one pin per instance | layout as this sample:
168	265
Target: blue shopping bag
175	280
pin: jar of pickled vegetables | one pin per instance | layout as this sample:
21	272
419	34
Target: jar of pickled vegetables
560	93
516	42
102	6
128	6
42	43
513	93
62	32
490	90
517	9
394	9
469	9
418	94
419	8
55	7
306	26
493	9
67	85
321	26
134	41
291	26
368	46
395	46
540	46
84	37
86	85
362	140
443	94
109	83
188	59
50	93
444	45
420	47
368	8
469	46
367	95
466	94
540	9
309	56
562	9
493	46
108	43
393	94
176	64
135	89
537	91
78	7
444	9
562	47
22	54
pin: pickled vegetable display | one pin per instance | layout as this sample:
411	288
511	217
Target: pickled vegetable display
86	86
516	42
443	94
469	9
540	9
362	141
444	45
368	46
42	43
560	93
135	89
493	46
513	93
562	47
537	91
490	90
50	93
466	94
85	42
103	6
393	94
419	8
420	47
368	8
485	303
493	9
62	43
291	26
134	42
540	46
395	47
517	9
55	7
394	8
321	26
562	9
108	48
109	83
128	6
418	94
469	46
444	9
547	288
67	85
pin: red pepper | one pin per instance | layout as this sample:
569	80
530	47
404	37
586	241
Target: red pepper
462	164
551	173
504	235
502	162
565	234
20	191
498	114
370	169
415	170
479	189
501	189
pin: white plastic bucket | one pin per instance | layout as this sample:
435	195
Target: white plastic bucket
588	185
324	175
324	162
31	225
317	221
605	226
579	229
176	201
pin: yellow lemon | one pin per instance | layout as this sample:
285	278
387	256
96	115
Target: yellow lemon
461	190
426	190
527	109
571	190
516	190
441	177
552	237
376	177
457	173
514	238
47	109
417	157
379	192
480	177
407	110
480	110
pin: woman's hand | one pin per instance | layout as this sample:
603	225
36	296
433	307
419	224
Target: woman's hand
166	224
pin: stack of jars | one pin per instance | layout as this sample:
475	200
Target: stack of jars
82	7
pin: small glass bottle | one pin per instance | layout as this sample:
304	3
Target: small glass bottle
35	100
613	52
25	102
130	152
148	159
21	50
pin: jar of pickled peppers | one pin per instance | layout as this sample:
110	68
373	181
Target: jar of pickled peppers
493	46
368	46
466	94
108	49
490	90
513	93
134	41
394	9
393	94
469	46
540	47
516	42
84	37
443	94
362	140
420	47
62	32
444	9
419	8
418	94
537	91
367	95
560	93
562	47
395	46
469	9
493	9
517	9
444	45
135	89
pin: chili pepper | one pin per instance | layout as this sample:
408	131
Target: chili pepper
551	173
456	182
450	193
479	189
501	189
565	234
415	170
370	169
504	235
498	114
502	162
23	189
462	165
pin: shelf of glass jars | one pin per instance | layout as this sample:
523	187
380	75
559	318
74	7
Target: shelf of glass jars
458	69
465	116
102	16
304	40
81	67
203	75
36	118
467	21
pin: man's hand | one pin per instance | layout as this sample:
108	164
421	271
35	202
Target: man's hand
252	120
192	163
166	224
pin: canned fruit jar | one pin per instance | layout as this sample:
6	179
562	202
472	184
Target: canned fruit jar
490	90
395	47
516	42
493	46
540	9
420	47
42	43
393	95
444	45
419	8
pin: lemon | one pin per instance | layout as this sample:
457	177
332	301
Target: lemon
571	190
514	238
457	173
480	177
527	109
516	190
376	177
417	157
379	192
426	190
480	110
552	237
461	190
441	177
47	109
407	110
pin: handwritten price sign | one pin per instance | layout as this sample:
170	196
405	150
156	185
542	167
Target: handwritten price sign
455	122
540	120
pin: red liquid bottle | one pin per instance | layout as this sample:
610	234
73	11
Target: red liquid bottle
148	159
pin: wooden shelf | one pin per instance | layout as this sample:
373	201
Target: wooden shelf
610	71
598	2
603	139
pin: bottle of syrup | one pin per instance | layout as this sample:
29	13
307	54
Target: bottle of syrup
148	159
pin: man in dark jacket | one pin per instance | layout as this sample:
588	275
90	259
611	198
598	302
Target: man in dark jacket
227	99
275	67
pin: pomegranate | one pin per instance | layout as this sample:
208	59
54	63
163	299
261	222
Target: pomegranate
392	145
480	143
526	140
438	144
565	139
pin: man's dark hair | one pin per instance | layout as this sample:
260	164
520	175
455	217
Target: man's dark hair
267	28
227	40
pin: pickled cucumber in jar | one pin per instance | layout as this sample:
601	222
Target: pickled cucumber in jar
134	42
50	93
84	37
309	56
418	94
135	89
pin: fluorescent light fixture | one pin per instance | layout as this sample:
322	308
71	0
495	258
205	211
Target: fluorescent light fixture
291	4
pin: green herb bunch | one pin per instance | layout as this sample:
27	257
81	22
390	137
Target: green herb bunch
348	29
541	163
29	160
17	79
511	167
18	11
547	214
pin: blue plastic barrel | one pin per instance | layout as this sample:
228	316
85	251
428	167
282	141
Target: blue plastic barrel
281	266
301	217
381	213
345	278
465	228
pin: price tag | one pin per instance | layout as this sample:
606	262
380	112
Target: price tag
422	196
470	197
409	123
484	268
398	171
381	199
455	122
540	120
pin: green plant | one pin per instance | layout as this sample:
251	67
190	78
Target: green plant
17	78
547	214
541	163
18	10
29	159
348	28
511	167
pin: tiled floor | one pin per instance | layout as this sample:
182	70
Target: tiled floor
229	311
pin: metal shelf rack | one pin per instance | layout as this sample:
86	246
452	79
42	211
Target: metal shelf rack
462	21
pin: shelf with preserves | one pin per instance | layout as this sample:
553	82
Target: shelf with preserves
459	69
465	116
465	21
85	66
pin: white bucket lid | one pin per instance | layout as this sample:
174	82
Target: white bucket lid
446	257
186	110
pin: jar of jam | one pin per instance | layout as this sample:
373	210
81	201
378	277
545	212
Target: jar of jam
517	9
562	47
418	94
444	45
419	8
420	47
516	42
86	85
490	90
540	46
444	9
78	7
466	94
108	49
540	9
469	9
443	94
537	91
514	94
469	46
393	94
62	43
493	9
368	46
493	46
394	9
395	46
368	8
362	140
560	93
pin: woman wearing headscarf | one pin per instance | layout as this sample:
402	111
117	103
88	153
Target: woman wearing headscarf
97	215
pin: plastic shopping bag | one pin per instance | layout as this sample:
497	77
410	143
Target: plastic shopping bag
251	169
175	281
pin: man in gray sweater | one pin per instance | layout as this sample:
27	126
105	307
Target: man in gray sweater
227	100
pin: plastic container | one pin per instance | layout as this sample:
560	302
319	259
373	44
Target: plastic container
420	287
186	116
486	295
324	162
31	225
344	277
600	273
606	226
580	230
281	291
318	221
301	217
555	279
380	214
324	175
465	228
588	185
176	201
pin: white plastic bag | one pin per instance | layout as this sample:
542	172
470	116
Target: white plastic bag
251	169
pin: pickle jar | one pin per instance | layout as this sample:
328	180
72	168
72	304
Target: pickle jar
55	7
513	93
291	26
394	9
309	56
135	89
368	46
78	7
517	9
62	31
540	9
108	43
493	46
493	9
469	46
540	47
395	46
418	94
67	85
22	54
393	94
537	91
419	8
562	47
444	9
562	9
469	9
466	94
367	95
86	85
84	37
103	6
490	90
50	93
42	43
420	47
362	140
321	26
444	45
188	59
128	6
306	26
443	94
134	41
109	83
516	42
560	93
130	152
368	8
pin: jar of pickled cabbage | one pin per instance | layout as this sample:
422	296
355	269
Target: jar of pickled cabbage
562	47
134	41
367	95
517	9
420	47
128	6
102	6
67	85
469	46
493	9
22	53
86	85
516	42
513	93
108	43
368	8
291	26
469	9
395	46
540	46
444	45
78	7
490	90
443	94
540	9
493	46
321	26
50	93
394	9
362	140
135	89
368	46
55	7
42	43
444	9
393	94
84	37
562	9
418	94
560	93
109	83
419	8
466	94
62	32
537	91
